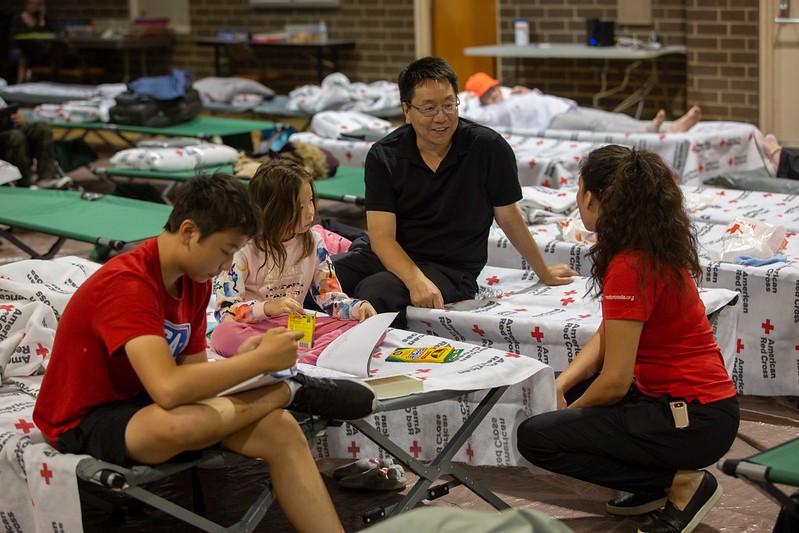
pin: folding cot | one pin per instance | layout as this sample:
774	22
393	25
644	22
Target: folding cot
766	340
132	481
234	132
38	291
778	465
442	464
346	186
105	220
551	158
278	107
46	93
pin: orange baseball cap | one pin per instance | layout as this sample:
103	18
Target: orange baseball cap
479	83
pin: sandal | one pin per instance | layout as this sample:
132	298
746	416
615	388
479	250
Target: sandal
360	466
378	478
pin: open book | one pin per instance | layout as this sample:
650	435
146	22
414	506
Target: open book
352	353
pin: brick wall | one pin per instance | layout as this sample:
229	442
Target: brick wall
719	73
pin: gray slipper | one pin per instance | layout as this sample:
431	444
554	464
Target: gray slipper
378	478
360	466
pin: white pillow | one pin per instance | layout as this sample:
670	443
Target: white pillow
208	154
224	89
174	158
349	125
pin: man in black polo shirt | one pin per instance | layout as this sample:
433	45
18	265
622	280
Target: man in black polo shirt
433	188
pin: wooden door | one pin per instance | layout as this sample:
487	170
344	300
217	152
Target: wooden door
461	23
779	73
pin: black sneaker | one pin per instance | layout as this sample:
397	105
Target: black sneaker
339	399
635	504
672	520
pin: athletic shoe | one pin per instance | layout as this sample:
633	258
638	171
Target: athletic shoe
672	520
339	399
635	504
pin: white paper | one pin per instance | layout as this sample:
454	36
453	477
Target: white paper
351	351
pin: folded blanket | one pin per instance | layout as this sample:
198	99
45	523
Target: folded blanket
337	93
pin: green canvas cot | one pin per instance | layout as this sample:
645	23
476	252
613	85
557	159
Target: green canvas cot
346	186
105	220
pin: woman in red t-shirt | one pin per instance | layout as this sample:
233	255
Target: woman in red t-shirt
647	403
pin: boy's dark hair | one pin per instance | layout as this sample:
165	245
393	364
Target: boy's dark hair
426	68
215	203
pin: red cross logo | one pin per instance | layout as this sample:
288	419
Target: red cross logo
767	195
566	301
723	142
24	426
584	316
767	327
662	137
41	351
538	334
731	161
721	193
373	371
479	331
354	449
46	473
561	194
739	346
415	450
513	355
701	168
531	163
521	309
180	153
545	183
348	155
733	202
693	148
469	451
577	158
492	280
423	371
564	180
569	293
735	228
6	307
539	142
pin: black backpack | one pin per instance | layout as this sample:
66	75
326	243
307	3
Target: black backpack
149	112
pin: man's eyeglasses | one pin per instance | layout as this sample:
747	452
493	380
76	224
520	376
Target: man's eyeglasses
431	111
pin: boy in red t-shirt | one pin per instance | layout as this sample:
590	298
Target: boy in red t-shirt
129	381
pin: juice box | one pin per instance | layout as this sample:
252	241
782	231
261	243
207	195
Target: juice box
306	324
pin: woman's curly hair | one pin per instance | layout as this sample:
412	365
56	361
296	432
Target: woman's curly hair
641	209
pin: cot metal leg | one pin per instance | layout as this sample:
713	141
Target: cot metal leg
49	254
440	466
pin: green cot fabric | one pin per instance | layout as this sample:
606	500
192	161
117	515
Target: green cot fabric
171	175
66	214
783	463
348	182
202	127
